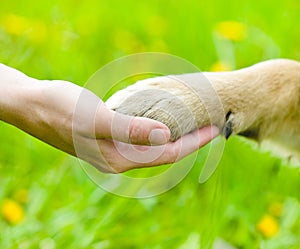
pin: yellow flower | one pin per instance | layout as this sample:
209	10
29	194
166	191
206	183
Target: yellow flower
12	211
276	209
220	66
36	31
21	195
231	30
15	25
268	226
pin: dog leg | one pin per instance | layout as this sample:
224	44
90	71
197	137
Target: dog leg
260	102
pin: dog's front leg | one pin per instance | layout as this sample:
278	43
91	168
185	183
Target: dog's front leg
262	101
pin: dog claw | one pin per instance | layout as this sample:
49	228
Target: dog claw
227	129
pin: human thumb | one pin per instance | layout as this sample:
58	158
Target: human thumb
138	130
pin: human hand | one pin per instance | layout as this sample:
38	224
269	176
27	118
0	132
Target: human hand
76	121
111	141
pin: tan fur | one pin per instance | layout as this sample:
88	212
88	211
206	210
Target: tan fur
261	101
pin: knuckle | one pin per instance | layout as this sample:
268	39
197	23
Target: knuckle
135	131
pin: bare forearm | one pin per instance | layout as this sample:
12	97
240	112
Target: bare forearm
24	104
16	96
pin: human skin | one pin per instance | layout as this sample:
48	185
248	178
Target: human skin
46	110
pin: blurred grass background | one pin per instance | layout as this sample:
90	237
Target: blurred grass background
46	199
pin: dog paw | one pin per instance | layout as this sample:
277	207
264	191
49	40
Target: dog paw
170	101
162	99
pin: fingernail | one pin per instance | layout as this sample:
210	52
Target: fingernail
159	136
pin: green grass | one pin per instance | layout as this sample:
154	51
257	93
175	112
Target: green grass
70	40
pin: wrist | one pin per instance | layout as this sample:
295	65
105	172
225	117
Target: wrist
17	96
